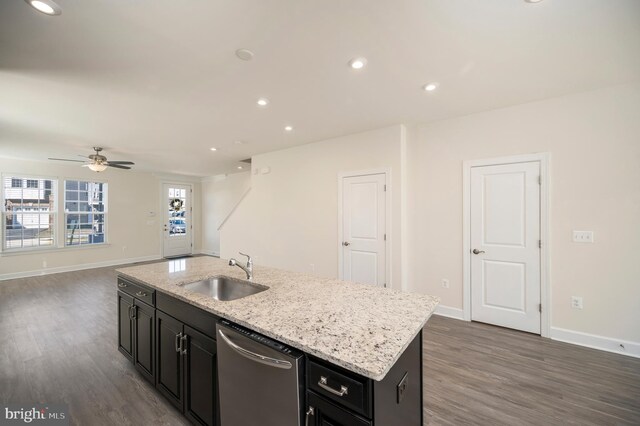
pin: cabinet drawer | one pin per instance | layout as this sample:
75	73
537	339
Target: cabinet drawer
138	291
197	318
341	386
326	413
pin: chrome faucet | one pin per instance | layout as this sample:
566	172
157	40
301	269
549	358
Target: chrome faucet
247	269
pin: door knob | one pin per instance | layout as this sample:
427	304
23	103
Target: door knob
476	251
346	243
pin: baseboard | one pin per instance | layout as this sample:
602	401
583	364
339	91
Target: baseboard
596	342
447	311
210	253
80	267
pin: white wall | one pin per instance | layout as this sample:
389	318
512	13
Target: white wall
594	142
290	218
220	195
132	234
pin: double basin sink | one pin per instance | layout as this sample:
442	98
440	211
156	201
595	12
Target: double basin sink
224	288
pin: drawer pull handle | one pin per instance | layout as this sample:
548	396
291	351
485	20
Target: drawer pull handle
141	294
178	341
323	384
122	285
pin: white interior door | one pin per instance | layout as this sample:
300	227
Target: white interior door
505	244
363	229
177	220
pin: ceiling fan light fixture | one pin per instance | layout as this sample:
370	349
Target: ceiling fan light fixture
48	7
97	167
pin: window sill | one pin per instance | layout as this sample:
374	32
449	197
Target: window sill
19	252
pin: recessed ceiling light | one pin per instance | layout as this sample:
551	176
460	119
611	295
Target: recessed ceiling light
288	128
430	87
213	149
263	102
358	63
239	167
244	54
48	7
533	1
239	142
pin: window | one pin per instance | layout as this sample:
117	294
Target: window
85	210
28	214
32	183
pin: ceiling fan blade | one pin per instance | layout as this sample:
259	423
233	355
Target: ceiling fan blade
117	166
64	159
121	162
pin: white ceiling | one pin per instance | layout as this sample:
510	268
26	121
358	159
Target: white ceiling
157	81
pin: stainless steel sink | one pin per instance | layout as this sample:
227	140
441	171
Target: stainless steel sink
224	288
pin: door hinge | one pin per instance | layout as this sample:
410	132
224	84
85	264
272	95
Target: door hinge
539	307
540	180
385	285
539	243
385	188
385	237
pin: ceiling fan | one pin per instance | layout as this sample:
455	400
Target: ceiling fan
98	162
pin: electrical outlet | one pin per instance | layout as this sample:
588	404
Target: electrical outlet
445	283
44	264
312	268
576	302
582	236
401	389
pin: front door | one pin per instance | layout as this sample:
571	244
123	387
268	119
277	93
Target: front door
177	220
363	229
505	245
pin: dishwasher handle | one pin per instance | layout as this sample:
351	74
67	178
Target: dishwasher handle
262	359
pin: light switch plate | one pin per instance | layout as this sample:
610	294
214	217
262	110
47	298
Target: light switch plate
582	236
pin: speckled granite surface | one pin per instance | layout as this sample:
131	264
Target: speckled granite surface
362	328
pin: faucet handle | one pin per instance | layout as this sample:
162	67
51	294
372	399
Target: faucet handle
248	257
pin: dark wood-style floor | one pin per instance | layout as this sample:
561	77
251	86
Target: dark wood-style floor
58	345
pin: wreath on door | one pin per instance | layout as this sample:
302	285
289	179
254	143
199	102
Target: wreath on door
176	204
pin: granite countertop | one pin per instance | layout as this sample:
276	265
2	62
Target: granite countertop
359	327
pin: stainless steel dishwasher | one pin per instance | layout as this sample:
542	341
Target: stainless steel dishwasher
260	380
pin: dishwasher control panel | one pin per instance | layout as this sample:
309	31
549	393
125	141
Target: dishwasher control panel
267	341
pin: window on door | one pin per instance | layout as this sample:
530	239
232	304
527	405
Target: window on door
29	212
177	210
85	212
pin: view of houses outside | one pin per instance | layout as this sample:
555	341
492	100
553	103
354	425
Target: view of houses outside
30	208
29	212
84	208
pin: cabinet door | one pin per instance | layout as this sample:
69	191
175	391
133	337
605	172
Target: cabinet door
169	377
201	398
328	414
144	339
125	325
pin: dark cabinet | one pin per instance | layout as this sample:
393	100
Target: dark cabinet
136	333
187	372
338	397
169	358
125	325
144	323
321	412
200	367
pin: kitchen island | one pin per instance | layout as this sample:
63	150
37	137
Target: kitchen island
352	337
